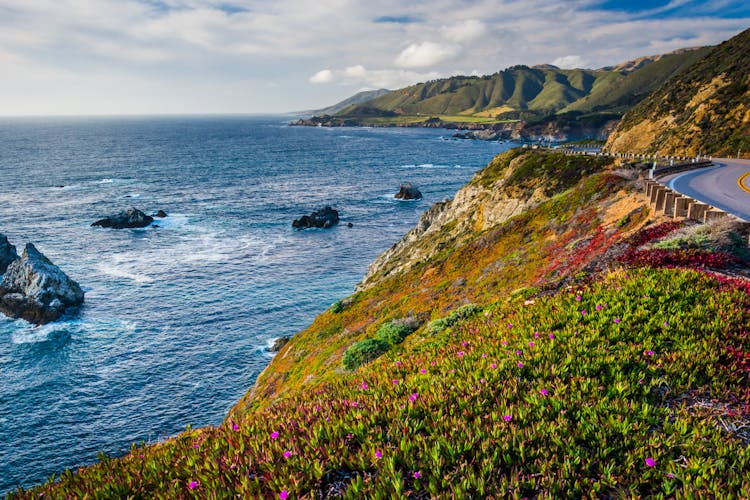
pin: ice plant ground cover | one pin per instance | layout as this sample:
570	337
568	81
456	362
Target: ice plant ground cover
598	408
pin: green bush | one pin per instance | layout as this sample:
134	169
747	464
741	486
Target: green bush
459	314
363	352
393	333
337	307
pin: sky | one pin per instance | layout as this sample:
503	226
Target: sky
101	57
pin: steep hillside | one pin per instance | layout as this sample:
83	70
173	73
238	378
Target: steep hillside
705	109
357	98
524	341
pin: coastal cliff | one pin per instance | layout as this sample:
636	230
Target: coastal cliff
541	335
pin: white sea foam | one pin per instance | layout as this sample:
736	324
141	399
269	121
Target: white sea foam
26	333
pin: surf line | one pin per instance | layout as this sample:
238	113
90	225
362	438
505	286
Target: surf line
741	182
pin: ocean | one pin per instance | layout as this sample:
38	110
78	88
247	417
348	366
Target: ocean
178	318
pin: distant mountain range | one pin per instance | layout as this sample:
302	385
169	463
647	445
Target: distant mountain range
522	101
357	98
704	109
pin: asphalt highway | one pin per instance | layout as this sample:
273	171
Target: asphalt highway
725	186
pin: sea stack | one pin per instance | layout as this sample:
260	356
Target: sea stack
324	218
130	218
408	191
35	289
7	253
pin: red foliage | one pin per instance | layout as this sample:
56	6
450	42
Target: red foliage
683	258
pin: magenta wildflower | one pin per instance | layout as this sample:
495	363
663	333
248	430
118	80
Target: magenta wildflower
518	352
493	365
543	392
464	343
598	307
394	381
283	495
378	454
617	320
583	311
510	325
197	446
363	386
670	475
552	335
235	426
423	370
413	397
578	298
484	355
520	365
536	335
531	344
507	418
504	342
417	475
287	454
193	484
666	324
650	462
398	363
649	353
274	435
461	353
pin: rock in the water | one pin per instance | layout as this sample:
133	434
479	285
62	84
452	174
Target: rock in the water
408	192
7	253
161	214
130	218
279	343
324	218
35	289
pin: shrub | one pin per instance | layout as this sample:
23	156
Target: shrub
363	352
393	332
459	314
337	307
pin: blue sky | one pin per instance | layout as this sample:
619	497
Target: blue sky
255	56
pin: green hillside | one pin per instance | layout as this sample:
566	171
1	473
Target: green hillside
528	93
705	109
536	337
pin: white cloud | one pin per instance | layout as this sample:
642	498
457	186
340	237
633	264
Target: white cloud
425	54
570	62
322	76
466	31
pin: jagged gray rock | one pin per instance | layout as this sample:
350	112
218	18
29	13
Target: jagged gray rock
408	191
130	218
7	253
279	343
323	218
35	289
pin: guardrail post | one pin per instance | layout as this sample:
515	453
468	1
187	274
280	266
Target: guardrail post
681	206
697	211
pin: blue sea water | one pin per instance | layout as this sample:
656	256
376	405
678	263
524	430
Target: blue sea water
178	318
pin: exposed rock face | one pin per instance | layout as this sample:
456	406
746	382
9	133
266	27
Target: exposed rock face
130	218
324	218
35	289
279	343
161	214
408	192
7	253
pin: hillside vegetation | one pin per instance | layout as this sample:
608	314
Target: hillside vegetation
705	109
527	339
524	93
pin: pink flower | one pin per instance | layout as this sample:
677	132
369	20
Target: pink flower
583	312
520	365
543	392
670	475
363	386
598	307
193	484
287	454
398	363
650	462
493	365
510	325
283	495
197	446
413	397
417	475
461	353
531	344
536	335
578	298
484	355
423	370
235	427
274	435
504	342
617	320
649	353
378	454
464	343
552	335
666	324
507	418
518	352
394	381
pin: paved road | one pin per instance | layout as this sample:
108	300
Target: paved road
725	186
